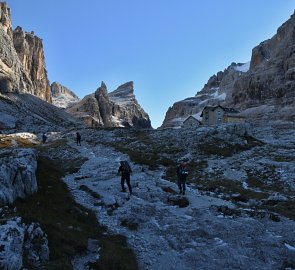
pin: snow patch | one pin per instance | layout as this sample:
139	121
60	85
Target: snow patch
243	68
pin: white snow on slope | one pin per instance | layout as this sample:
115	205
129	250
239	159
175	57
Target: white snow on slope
243	68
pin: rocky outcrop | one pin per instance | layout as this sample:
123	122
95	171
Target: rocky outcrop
62	97
5	19
30	51
271	78
126	109
18	239
22	65
265	91
24	112
17	174
13	77
104	104
116	109
218	90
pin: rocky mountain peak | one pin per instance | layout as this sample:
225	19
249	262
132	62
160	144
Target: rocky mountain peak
124	91
5	18
118	108
103	86
125	86
263	88
31	53
22	68
62	96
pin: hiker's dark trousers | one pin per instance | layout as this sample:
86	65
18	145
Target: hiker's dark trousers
127	178
181	183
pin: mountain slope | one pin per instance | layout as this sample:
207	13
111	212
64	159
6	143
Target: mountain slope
62	97
116	109
22	62
264	92
25	112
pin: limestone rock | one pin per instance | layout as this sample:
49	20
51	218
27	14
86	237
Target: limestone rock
104	104
13	77
17	174
264	90
5	19
30	51
217	91
270	79
115	109
62	97
22	64
18	239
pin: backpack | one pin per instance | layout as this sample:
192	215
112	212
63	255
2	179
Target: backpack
125	167
183	171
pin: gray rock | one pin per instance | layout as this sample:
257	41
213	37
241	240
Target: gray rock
17	174
22	63
118	108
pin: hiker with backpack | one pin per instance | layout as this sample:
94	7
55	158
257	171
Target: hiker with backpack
182	174
78	138
125	171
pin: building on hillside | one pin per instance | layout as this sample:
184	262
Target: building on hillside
215	115
191	122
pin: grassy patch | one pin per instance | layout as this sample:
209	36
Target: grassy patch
230	187
133	226
169	190
220	147
178	201
152	158
68	224
8	141
285	208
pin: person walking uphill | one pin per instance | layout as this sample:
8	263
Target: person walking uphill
78	138
125	172
182	175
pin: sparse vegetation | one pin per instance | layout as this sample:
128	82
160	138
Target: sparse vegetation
9	141
68	224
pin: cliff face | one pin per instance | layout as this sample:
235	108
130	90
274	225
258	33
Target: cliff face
115	109
30	51
62	96
264	90
22	64
218	90
271	78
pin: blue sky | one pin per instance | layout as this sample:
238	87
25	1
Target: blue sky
169	48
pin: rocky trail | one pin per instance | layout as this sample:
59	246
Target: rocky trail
168	231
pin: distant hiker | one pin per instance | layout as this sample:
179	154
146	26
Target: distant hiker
78	138
125	172
44	138
182	175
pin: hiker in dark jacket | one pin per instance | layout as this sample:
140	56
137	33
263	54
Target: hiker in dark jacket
182	175
125	172
44	138
78	138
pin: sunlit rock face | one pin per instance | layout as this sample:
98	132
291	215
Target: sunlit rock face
116	109
262	89
30	51
22	62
